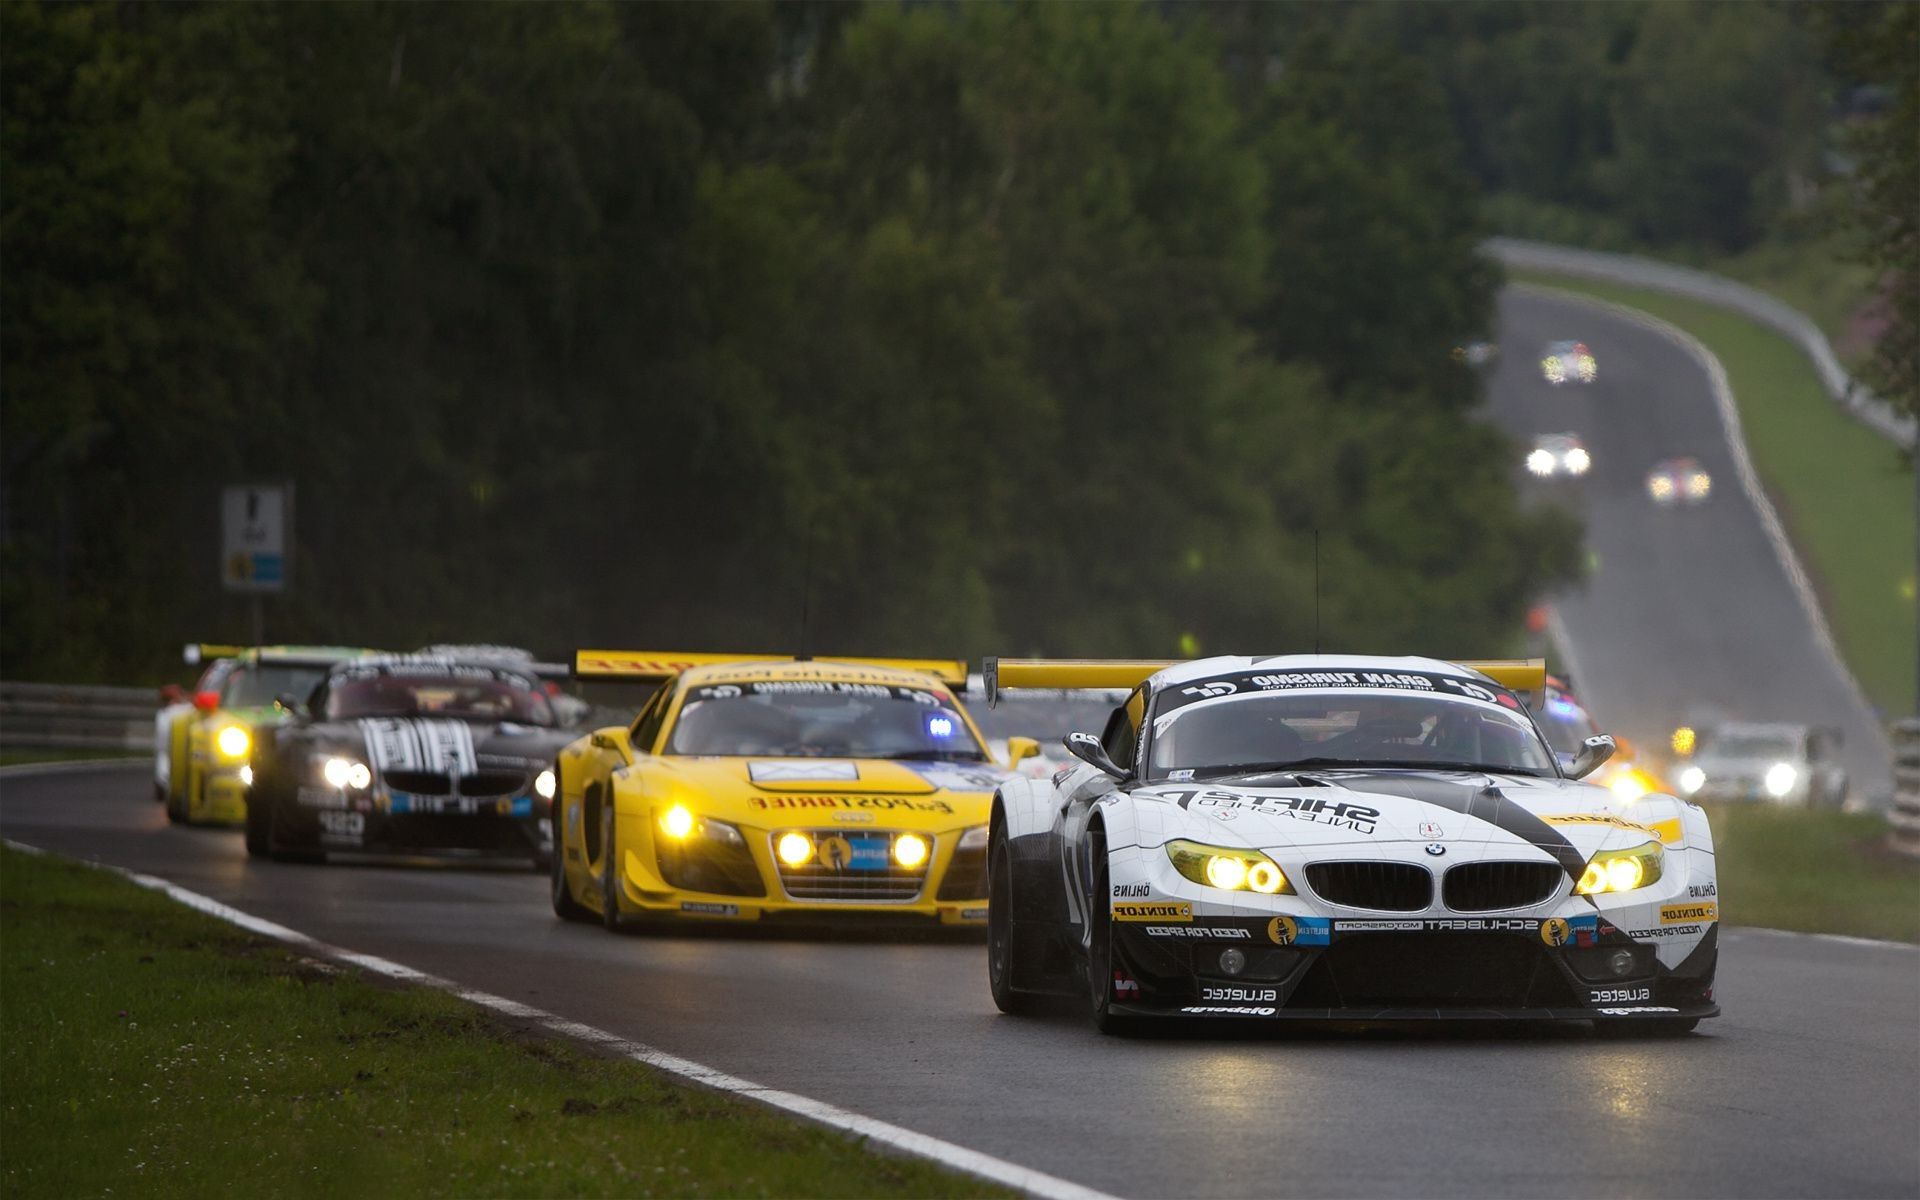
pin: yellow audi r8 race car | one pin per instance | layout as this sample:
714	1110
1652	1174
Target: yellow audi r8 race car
760	788
207	745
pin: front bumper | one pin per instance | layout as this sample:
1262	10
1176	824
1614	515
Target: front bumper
1413	969
398	823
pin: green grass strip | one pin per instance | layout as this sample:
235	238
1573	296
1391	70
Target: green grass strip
1814	871
1845	494
147	1049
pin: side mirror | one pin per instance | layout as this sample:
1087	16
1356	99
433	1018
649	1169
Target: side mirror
1593	752
1020	749
288	701
172	693
603	741
1087	748
206	701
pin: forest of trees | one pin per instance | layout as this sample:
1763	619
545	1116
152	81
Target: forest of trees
1076	328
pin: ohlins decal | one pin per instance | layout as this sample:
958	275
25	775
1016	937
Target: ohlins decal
1153	912
883	803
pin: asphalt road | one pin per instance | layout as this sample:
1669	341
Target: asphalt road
1810	1085
1688	610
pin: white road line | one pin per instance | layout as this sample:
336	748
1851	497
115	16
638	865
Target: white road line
1842	938
905	1141
1749	481
75	765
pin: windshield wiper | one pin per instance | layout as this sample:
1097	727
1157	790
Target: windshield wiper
1358	764
930	756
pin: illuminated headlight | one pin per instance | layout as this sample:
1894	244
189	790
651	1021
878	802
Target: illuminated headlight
677	822
1699	485
1540	462
233	742
1629	785
1692	780
910	850
1588	368
1780	779
344	773
246	775
1228	869
794	849
680	824
1577	461
1621	870
1683	739
544	784
1660	486
1553	370
974	839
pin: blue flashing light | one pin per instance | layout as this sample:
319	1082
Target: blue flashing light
940	727
1562	708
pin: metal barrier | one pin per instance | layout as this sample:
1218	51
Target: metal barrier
59	716
1848	393
1904	814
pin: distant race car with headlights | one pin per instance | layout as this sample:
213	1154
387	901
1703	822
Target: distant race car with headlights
1558	455
417	754
201	747
1341	837
1568	362
759	788
1679	481
1789	765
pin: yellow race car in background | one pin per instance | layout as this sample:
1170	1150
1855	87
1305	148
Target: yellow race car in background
207	743
757	787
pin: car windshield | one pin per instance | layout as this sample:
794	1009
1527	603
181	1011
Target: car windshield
256	685
1750	745
458	692
819	719
1049	716
1324	728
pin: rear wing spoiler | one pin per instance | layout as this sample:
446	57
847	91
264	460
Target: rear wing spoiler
504	656
1516	674
652	666
195	653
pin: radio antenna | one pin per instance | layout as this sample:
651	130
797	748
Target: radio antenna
1316	591
806	594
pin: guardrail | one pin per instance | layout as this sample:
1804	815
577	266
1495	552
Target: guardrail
1847	393
1904	814
59	716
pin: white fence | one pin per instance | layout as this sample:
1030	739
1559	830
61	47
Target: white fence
1848	393
59	716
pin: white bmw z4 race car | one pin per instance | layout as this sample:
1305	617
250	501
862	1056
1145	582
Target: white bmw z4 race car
1342	838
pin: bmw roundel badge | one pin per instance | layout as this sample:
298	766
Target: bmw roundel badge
1436	849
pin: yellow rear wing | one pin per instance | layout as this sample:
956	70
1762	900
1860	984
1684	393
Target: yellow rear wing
1516	674
1125	673
652	666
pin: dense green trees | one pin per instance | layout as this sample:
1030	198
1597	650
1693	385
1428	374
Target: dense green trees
996	327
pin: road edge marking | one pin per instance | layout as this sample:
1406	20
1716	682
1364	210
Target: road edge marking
905	1141
1770	525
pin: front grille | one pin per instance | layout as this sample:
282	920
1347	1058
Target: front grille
1434	970
966	877
1493	886
1381	886
493	783
448	831
421	783
820	878
438	783
705	864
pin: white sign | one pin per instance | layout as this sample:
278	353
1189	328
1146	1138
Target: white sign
254	526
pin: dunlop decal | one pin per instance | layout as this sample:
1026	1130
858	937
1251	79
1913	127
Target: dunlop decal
1679	914
1153	912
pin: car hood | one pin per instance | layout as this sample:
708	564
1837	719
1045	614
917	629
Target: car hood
1564	819
781	791
443	744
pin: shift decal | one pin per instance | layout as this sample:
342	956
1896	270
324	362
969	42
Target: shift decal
415	744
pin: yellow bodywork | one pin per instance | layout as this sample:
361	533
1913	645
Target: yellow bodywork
646	815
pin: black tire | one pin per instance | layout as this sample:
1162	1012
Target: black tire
564	905
1100	943
1658	1027
1002	977
177	812
286	854
259	824
610	876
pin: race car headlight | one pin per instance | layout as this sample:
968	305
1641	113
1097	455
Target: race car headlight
910	850
1621	870
233	742
794	849
1780	779
1692	780
1630	783
679	824
345	773
973	839
1577	461
1228	869
1540	462
543	783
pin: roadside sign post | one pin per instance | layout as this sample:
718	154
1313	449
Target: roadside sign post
255	520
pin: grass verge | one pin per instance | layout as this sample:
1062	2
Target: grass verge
1845	494
1814	871
147	1048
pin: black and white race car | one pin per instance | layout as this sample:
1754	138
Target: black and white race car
1342	837
410	754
